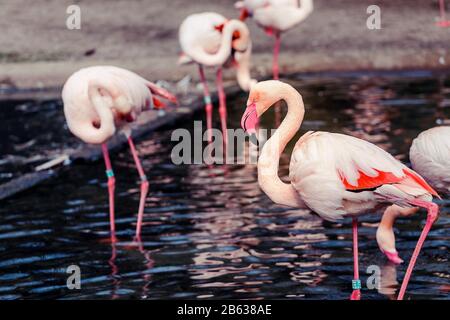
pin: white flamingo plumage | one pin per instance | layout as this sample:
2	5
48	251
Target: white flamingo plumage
430	156
98	100
275	16
334	175
211	40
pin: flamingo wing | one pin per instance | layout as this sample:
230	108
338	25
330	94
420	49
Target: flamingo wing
363	165
331	171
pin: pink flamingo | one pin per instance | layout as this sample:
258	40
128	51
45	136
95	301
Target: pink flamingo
99	99
430	156
332	174
209	39
276	16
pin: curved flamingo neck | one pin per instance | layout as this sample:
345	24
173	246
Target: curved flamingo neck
106	126
268	163
243	69
219	58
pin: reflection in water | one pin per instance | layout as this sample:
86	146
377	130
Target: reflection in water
209	231
388	279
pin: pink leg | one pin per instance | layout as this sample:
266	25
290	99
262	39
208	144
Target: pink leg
111	187
208	102
356	283
443	21
276	52
432	215
222	108
144	187
275	71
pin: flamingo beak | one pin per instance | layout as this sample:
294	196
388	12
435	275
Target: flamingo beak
249	119
244	14
158	104
163	93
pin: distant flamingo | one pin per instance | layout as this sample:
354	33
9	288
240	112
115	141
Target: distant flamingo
332	174
430	156
211	40
275	16
99	99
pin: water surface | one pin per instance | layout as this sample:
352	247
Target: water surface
211	232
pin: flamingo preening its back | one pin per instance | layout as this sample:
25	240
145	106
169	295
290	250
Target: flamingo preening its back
211	40
99	100
275	16
332	174
430	156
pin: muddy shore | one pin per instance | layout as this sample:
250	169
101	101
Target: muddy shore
37	50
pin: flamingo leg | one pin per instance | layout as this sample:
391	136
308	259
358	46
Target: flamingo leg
208	102
356	283
442	9
222	107
111	187
433	211
443	21
144	187
276	53
275	71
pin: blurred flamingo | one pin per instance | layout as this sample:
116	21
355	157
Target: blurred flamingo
99	99
276	16
211	40
332	174
430	156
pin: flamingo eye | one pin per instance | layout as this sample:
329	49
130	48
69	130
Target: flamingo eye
236	35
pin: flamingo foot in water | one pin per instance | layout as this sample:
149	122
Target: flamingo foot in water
443	24
356	295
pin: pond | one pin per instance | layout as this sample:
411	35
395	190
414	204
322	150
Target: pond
210	232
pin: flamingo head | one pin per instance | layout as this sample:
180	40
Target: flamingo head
265	93
240	37
245	12
261	97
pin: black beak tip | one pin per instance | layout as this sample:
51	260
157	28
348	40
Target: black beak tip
253	139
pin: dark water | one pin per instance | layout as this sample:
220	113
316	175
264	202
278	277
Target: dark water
211	232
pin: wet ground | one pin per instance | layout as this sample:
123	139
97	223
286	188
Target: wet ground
211	232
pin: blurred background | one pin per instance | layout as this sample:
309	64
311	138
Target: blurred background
37	49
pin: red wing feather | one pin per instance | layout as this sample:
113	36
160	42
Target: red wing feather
366	182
